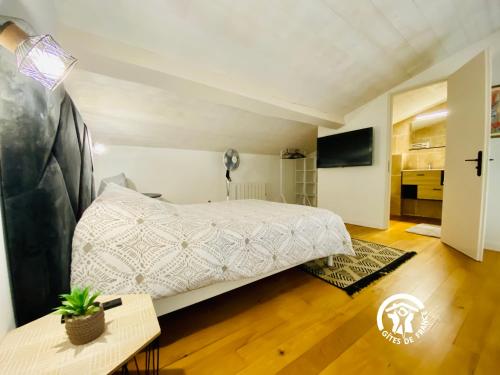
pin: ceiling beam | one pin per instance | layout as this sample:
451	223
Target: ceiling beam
115	59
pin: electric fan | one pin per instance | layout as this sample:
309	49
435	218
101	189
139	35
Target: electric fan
231	162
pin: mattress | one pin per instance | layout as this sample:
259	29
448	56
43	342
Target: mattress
126	242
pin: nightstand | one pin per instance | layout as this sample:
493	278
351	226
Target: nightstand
42	346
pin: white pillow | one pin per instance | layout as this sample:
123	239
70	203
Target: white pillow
119	180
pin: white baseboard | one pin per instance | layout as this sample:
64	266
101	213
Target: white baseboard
492	246
367	224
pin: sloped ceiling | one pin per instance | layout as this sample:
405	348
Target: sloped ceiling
293	62
410	103
128	113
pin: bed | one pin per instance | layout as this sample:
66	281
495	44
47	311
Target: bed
47	188
126	242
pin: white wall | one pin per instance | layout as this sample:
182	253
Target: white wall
361	194
356	193
6	310
184	176
41	15
492	240
495	67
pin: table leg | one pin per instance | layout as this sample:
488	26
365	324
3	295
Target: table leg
124	370
152	355
151	360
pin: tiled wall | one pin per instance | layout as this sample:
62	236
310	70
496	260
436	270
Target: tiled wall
424	159
435	134
420	159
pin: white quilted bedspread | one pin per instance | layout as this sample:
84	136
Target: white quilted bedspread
129	243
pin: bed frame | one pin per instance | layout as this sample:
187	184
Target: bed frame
168	304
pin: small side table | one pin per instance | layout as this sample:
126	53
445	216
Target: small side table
42	346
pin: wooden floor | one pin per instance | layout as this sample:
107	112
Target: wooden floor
293	323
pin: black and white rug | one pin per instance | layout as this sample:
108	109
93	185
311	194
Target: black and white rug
353	273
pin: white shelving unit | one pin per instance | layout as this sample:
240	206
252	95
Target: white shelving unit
298	181
305	181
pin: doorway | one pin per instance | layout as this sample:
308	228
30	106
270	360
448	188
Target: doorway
465	170
418	143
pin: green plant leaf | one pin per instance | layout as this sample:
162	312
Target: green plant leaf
65	311
73	299
92	309
78	302
85	296
94	296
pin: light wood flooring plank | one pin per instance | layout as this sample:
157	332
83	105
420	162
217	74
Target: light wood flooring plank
293	323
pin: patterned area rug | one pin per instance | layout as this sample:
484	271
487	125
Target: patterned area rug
353	273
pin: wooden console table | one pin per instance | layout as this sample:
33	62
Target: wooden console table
42	347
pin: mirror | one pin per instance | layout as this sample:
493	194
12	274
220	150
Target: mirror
428	130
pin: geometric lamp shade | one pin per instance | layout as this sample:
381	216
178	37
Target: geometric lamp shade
41	58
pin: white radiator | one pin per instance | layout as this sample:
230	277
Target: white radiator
249	190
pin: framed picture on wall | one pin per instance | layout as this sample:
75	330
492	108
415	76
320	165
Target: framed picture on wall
495	111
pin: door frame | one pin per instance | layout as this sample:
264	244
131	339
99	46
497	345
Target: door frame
389	139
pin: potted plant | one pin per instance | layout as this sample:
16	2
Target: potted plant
83	317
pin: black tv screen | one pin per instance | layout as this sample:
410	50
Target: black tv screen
348	149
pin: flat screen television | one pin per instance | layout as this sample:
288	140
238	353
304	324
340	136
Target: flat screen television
354	148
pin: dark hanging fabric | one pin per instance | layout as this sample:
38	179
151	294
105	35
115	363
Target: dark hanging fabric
46	184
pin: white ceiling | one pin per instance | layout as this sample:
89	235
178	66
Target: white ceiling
289	61
410	103
123	112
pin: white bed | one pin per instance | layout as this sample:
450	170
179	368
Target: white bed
182	254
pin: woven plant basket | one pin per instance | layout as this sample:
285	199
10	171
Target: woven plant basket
84	329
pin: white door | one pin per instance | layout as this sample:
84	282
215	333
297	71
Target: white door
467	136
